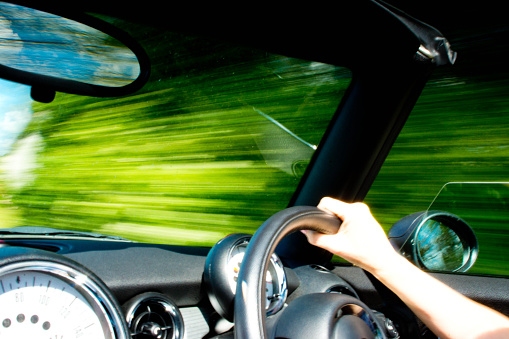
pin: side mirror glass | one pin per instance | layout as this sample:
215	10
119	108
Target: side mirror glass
436	241
55	53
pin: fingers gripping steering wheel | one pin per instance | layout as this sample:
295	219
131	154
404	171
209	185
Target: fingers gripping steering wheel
328	315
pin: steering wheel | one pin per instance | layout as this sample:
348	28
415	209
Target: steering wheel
318	315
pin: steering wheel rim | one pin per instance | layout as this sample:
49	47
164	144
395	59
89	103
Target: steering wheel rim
249	294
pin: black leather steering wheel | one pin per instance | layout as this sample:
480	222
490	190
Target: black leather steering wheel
333	312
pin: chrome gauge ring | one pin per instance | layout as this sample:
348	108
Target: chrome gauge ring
45	299
222	269
154	315
275	279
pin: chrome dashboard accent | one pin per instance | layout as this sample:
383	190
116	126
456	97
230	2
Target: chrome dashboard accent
221	272
153	315
48	305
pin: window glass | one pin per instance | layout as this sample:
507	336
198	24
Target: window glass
215	143
457	132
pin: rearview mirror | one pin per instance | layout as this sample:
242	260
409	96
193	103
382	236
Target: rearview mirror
54	53
436	241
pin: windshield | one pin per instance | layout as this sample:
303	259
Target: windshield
215	143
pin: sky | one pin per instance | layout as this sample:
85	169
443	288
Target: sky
15	113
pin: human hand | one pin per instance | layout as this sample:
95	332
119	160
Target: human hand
360	239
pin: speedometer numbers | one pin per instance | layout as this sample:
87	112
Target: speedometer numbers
45	295
39	305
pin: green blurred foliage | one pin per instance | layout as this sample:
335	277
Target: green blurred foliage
458	131
485	208
191	158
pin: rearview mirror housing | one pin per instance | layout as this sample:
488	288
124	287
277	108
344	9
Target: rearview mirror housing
68	53
435	241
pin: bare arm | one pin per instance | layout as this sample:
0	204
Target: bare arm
362	241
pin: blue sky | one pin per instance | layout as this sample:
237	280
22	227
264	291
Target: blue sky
15	112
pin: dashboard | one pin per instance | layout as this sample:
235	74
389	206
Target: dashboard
86	288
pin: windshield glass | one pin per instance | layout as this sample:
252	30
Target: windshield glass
457	132
215	143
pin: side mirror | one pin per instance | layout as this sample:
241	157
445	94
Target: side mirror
435	241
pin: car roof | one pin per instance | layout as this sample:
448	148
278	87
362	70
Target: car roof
345	34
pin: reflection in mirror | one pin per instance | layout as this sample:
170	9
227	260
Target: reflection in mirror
439	247
42	43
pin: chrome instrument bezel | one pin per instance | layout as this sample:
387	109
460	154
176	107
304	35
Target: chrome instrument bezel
277	272
170	308
102	304
218	276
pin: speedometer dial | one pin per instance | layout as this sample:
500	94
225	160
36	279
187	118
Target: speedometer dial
41	305
44	299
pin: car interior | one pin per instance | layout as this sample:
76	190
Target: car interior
164	70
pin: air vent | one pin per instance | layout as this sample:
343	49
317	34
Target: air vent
153	315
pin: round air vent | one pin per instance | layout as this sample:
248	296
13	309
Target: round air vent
153	315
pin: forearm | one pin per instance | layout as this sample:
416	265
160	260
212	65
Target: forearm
446	312
362	241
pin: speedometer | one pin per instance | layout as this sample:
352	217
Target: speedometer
222	269
42	298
